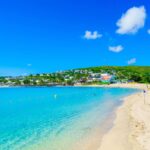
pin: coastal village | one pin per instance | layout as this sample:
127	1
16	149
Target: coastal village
90	76
66	79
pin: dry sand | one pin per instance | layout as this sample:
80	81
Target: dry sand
131	129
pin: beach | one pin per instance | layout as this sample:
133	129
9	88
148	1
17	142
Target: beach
131	128
114	117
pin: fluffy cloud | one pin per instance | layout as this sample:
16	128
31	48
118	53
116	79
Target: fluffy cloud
132	20
89	35
148	31
116	49
131	61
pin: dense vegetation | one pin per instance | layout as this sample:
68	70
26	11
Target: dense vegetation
140	74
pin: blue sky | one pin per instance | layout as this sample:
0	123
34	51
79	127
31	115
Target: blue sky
51	35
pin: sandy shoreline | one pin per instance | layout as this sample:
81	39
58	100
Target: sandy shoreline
131	126
131	129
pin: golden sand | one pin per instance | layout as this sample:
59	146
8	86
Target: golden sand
131	129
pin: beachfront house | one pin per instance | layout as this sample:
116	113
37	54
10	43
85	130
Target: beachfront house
94	77
107	78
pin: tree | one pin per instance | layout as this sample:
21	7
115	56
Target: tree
26	82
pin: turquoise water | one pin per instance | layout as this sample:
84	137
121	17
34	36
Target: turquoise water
54	118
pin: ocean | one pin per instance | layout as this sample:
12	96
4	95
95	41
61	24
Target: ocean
56	118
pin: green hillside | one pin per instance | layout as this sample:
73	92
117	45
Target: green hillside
140	74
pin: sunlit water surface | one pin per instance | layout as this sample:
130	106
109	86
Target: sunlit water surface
55	118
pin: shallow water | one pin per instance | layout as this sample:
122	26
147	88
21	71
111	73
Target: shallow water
54	118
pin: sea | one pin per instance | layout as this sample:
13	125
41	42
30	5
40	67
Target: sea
57	118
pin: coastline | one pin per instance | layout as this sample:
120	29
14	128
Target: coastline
117	85
131	127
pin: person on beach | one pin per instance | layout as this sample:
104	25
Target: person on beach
144	92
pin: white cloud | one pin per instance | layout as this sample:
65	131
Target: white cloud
89	35
148	31
131	61
132	20
116	49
